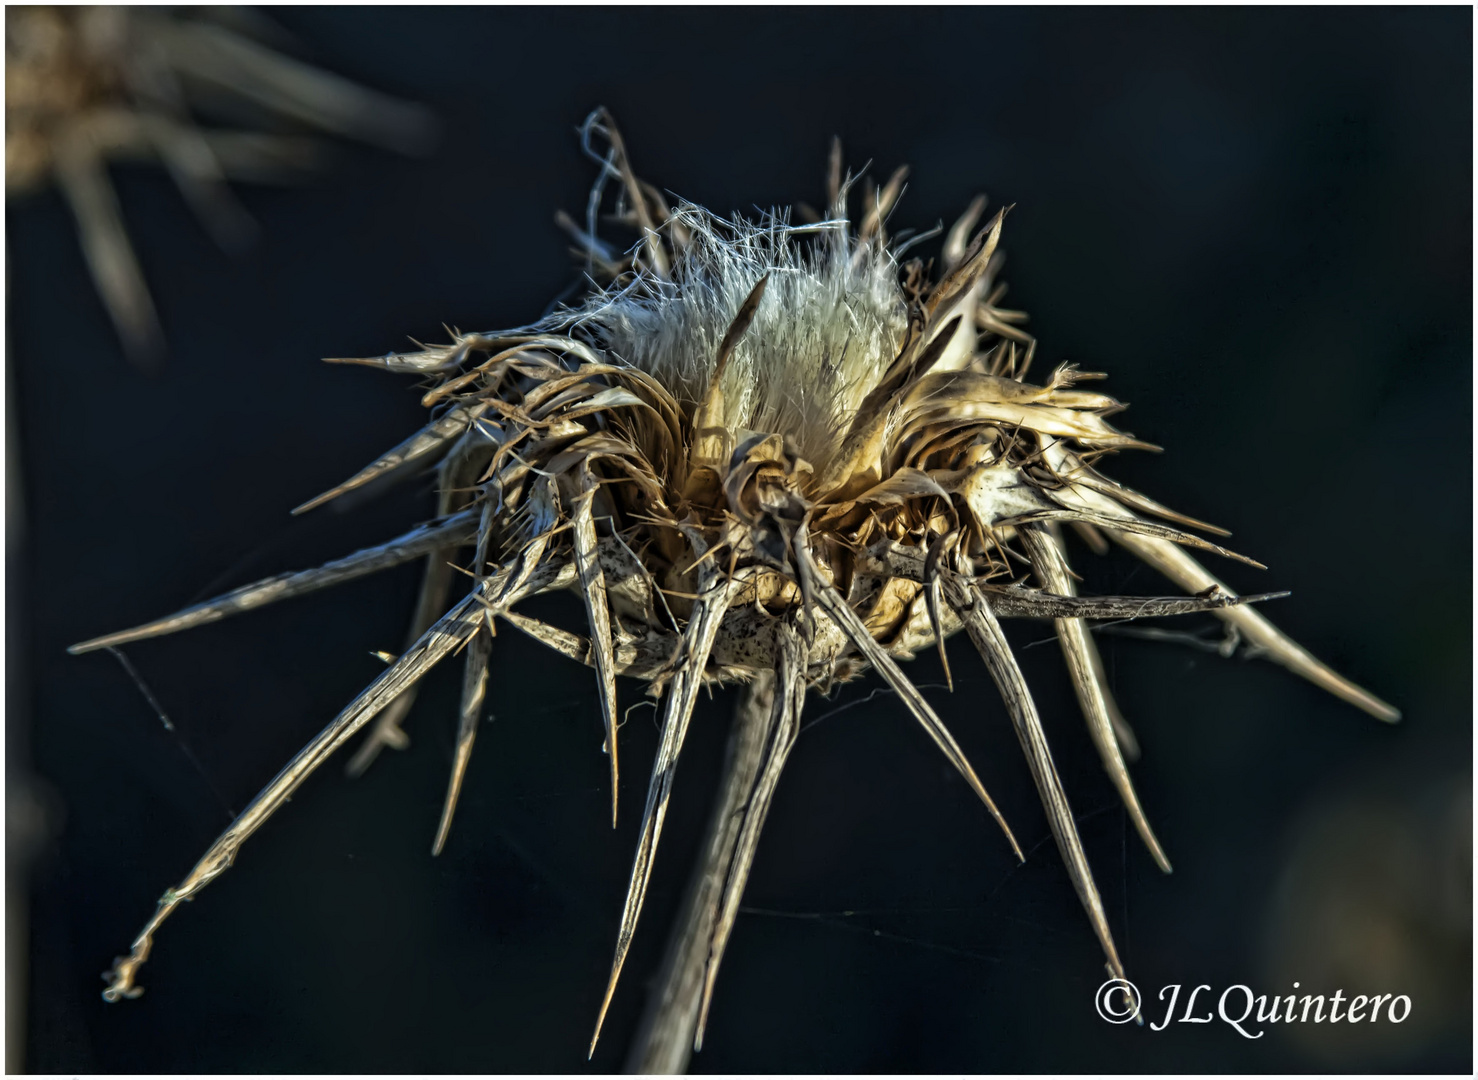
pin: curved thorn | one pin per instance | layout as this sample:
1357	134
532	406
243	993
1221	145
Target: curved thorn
494	594
835	606
1137	501
436	582
597	609
1123	733
642	658
1279	647
1051	567
431	360
932	595
474	687
420	449
430	537
956	241
708	610
1130	525
448	634
985	632
1190	575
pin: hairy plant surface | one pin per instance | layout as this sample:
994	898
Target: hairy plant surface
765	452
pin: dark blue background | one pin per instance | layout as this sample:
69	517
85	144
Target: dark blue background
1257	221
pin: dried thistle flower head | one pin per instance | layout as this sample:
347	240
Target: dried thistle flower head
86	85
768	454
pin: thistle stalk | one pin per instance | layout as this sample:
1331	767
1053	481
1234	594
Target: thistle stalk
664	1042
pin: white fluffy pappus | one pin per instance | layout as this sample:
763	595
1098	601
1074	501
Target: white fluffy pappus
829	324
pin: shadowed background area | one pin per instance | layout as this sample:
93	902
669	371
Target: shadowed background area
1257	222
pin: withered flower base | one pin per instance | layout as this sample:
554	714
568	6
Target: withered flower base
765	454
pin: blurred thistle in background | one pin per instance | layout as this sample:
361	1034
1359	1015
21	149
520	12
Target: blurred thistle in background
1376	890
86	86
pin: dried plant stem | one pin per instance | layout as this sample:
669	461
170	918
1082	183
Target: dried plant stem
682	694
783	730
665	1041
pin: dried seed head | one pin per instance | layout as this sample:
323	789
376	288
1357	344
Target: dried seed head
762	454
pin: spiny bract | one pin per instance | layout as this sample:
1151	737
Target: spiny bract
762	453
